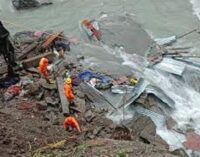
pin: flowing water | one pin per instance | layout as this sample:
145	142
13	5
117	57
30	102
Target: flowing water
130	24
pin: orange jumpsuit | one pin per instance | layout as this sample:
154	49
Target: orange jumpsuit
69	92
95	32
43	67
71	121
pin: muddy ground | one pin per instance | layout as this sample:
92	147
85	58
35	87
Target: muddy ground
26	130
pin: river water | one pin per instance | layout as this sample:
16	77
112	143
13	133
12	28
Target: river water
142	21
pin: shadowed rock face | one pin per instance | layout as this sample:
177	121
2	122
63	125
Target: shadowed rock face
27	4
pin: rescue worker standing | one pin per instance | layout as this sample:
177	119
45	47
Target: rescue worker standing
43	67
69	91
71	122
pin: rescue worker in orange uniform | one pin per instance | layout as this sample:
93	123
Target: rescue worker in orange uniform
71	122
69	91
89	26
43	67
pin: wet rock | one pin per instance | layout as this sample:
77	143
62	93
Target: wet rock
142	99
41	106
24	4
89	116
171	123
27	4
145	128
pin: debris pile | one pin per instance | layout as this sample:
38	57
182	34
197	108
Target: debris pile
37	103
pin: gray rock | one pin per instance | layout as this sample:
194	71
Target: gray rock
34	88
80	94
171	123
145	128
41	106
180	152
50	101
27	4
8	96
46	85
89	116
97	130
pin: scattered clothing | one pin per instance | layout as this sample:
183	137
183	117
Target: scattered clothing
14	90
88	75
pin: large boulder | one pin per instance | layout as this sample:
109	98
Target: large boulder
26	4
145	128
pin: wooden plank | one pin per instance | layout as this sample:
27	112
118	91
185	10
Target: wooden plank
63	99
27	50
50	39
34	61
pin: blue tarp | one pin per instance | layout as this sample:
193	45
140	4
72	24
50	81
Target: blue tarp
87	75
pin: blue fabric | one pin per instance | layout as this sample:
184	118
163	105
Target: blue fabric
87	75
8	82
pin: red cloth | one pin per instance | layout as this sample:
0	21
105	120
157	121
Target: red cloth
71	121
14	89
68	92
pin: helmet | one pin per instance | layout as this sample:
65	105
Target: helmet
45	60
68	81
133	81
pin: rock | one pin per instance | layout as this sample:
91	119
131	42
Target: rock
97	130
34	88
56	121
145	128
80	94
180	152
89	116
8	96
27	4
79	57
40	95
170	123
41	106
80	105
24	4
46	85
121	133
50	101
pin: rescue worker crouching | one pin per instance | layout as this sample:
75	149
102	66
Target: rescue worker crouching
71	123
